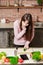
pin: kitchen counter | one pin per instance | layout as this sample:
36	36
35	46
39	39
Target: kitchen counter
10	52
10	26
6	25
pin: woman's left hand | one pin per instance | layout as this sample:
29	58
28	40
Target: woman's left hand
26	45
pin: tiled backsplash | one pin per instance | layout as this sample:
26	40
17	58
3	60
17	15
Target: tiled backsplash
13	14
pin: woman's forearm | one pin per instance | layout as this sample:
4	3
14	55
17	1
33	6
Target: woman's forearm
19	35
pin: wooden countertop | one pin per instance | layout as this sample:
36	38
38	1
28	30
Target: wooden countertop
10	25
6	25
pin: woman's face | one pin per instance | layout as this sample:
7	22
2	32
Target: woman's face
25	23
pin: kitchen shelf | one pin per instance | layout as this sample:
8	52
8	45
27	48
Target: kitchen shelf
13	7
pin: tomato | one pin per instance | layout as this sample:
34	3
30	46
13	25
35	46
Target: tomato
20	60
6	60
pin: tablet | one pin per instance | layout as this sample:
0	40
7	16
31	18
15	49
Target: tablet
24	57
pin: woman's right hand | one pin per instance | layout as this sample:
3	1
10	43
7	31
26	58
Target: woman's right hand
24	28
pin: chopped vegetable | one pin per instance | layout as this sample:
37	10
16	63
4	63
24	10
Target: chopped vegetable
20	60
25	49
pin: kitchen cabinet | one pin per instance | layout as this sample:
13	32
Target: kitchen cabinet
6	35
38	38
8	28
3	39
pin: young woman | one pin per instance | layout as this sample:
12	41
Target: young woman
23	31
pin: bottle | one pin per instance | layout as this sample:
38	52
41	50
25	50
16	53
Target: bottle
15	51
20	2
37	19
16	2
0	2
7	3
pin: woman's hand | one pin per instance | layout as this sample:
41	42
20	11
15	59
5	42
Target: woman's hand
24	27
26	45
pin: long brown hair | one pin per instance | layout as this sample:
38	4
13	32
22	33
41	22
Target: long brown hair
29	29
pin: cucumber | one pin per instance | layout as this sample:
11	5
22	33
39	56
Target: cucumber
25	49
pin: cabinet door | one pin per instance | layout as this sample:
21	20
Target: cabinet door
38	38
3	39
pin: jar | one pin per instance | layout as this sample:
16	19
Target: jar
16	2
7	2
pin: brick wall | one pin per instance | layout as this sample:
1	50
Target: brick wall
13	14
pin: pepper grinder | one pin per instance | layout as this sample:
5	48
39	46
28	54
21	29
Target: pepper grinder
15	51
